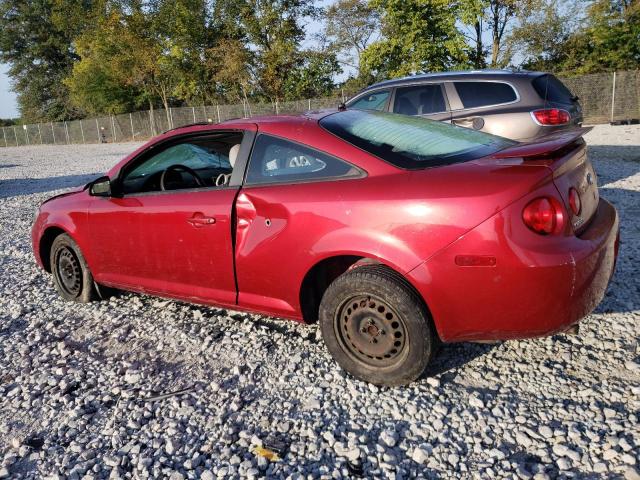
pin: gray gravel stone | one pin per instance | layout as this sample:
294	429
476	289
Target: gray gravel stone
76	375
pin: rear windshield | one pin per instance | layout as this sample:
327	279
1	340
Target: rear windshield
551	89
411	142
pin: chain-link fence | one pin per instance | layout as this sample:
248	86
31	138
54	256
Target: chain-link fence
605	97
143	125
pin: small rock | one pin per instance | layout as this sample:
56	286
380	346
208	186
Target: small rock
631	474
434	382
476	401
420	455
563	463
523	439
600	467
388	438
545	431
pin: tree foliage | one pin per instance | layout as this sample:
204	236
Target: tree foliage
417	36
70	58
559	37
36	40
352	25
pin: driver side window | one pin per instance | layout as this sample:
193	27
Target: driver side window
200	162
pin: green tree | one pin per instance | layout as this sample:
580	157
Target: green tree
36	41
230	64
313	77
274	29
544	30
495	19
558	38
417	36
351	25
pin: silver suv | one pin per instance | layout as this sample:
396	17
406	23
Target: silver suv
516	105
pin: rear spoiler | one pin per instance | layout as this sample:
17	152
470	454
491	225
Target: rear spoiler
544	145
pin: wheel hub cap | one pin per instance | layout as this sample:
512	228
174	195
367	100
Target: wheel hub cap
370	330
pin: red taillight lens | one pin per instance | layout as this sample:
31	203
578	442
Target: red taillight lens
574	201
551	116
542	215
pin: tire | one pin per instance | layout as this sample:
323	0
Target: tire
376	326
71	275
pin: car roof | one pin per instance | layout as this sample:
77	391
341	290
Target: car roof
313	115
282	119
487	74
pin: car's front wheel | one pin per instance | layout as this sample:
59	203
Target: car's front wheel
376	326
71	275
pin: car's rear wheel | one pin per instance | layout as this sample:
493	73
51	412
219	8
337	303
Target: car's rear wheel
71	275
376	326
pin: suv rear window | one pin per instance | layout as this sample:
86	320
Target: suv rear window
411	142
551	89
482	94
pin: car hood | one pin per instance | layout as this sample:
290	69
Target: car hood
73	191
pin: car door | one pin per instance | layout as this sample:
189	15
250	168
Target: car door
175	241
427	100
281	211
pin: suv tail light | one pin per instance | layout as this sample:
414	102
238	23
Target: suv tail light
543	215
574	201
551	116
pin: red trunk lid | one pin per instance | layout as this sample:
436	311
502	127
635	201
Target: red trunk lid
565	153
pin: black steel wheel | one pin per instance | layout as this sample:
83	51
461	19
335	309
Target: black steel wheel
68	271
376	326
71	275
370	330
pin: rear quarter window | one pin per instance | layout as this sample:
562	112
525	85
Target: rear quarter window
419	100
551	89
483	94
276	160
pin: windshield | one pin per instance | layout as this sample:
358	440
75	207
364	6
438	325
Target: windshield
411	142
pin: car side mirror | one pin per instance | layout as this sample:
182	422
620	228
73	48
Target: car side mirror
101	187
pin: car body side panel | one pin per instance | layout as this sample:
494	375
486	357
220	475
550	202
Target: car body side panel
538	286
400	220
67	213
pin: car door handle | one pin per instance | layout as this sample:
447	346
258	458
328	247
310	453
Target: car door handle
477	123
199	220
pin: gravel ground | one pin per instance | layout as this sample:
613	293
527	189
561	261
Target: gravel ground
79	384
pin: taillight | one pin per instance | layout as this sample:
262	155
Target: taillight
551	116
543	215
574	201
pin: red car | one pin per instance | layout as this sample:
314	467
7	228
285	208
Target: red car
394	232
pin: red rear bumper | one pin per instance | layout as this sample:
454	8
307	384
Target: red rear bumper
538	286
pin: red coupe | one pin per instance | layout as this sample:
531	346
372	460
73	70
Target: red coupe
393	232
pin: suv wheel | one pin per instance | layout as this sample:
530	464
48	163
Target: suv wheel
376	327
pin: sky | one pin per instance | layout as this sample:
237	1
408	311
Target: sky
8	105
